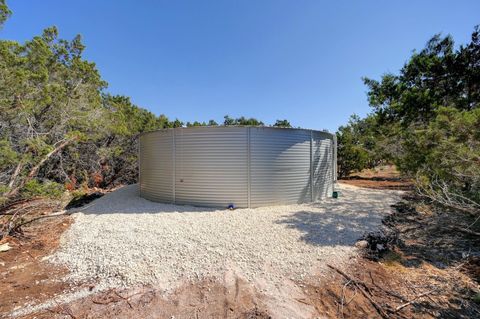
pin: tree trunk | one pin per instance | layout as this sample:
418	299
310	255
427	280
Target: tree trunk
34	171
15	174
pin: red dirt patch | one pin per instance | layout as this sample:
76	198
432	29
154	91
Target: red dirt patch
390	285
24	277
205	299
383	177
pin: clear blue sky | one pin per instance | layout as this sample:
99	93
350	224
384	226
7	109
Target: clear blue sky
199	60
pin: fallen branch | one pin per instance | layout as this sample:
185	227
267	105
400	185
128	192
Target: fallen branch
388	292
415	298
111	299
65	310
124	298
301	300
13	192
359	285
60	213
465	231
9	204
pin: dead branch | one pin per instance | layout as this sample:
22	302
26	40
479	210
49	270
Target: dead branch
359	284
415	298
15	174
64	310
123	298
388	292
439	192
33	172
60	213
465	231
10	204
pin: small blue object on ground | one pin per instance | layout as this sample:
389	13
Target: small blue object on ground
231	207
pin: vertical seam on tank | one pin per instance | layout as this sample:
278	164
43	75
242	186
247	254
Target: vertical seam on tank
249	161
174	150
139	168
334	164
311	166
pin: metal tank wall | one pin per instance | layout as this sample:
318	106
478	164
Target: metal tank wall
243	166
157	166
280	166
211	166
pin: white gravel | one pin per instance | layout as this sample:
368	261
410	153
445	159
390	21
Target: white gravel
122	239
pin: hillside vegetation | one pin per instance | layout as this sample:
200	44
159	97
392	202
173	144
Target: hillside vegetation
426	120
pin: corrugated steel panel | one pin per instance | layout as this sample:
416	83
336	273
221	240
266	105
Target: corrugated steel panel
280	166
211	166
244	166
323	164
157	166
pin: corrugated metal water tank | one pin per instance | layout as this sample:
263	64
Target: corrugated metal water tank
237	165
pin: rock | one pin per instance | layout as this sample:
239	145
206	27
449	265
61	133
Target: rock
362	244
5	247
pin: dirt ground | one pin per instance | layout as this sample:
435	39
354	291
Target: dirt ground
24	277
382	177
431	271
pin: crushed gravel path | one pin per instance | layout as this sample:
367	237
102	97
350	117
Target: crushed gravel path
122	239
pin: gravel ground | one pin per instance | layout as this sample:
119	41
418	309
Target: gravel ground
122	239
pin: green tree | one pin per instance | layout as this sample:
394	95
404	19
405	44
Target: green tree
358	145
196	123
57	125
176	123
4	12
242	121
435	77
50	100
228	121
428	119
282	123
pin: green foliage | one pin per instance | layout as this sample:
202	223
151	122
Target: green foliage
196	123
4	12
357	145
447	152
427	120
282	123
435	77
476	298
35	188
8	156
242	121
176	123
126	118
49	99
78	194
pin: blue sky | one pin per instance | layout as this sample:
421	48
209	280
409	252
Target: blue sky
199	60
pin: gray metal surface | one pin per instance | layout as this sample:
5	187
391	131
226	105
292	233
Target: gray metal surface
280	166
211	166
157	166
323	164
243	166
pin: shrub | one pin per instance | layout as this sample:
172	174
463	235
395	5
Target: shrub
43	189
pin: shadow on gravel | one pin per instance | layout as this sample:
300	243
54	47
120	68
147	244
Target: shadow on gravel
343	221
332	228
